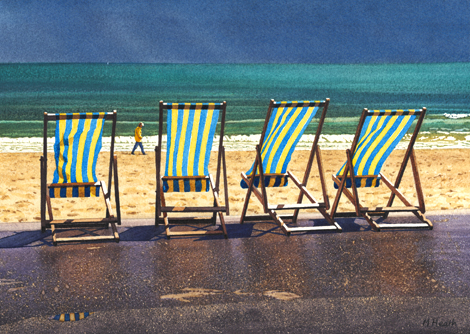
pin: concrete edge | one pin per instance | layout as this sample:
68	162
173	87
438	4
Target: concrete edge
133	222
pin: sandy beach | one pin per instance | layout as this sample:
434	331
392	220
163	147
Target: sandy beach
444	177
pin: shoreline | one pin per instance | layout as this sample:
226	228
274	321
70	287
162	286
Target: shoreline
444	177
426	140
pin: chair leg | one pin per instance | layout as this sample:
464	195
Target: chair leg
222	223
275	217
54	236
107	200
303	191
215	192
158	203
214	215
247	200
165	215
278	220
74	224
49	207
116	191
43	192
115	232
343	190
395	192
227	202
166	221
371	222
167	225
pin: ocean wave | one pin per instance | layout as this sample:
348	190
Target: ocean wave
456	116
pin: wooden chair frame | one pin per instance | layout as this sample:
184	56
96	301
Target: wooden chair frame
322	207
367	212
111	218
161	209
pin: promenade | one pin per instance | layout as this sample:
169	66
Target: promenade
256	281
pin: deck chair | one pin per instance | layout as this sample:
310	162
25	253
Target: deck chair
76	149
377	135
190	134
284	125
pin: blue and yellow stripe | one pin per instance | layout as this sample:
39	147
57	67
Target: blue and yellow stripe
77	145
71	316
190	134
286	125
380	134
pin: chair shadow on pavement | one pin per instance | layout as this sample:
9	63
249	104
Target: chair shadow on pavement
152	233
22	239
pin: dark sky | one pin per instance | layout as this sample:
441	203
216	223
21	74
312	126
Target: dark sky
235	31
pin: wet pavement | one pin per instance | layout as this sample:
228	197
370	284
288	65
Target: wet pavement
256	281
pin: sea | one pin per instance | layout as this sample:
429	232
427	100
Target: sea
28	90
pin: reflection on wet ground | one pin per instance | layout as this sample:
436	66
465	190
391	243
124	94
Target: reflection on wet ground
258	263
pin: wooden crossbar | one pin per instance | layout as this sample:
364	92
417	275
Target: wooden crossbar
360	176
81	221
55	239
390	209
370	113
67	185
312	228
53	117
266	174
189	220
183	233
296	206
404	226
195	177
193	209
267	217
75	239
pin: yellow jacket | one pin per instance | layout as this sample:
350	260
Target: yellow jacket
138	134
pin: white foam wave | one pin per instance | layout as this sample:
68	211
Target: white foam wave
246	143
456	116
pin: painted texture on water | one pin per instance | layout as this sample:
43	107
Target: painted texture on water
29	90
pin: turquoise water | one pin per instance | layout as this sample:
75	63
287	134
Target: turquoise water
134	90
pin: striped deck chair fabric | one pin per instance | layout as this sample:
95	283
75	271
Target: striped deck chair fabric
380	134
286	125
190	134
77	145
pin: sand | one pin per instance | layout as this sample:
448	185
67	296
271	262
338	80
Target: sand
444	176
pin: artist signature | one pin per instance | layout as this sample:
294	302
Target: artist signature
439	322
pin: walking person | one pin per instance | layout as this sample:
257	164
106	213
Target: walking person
138	138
